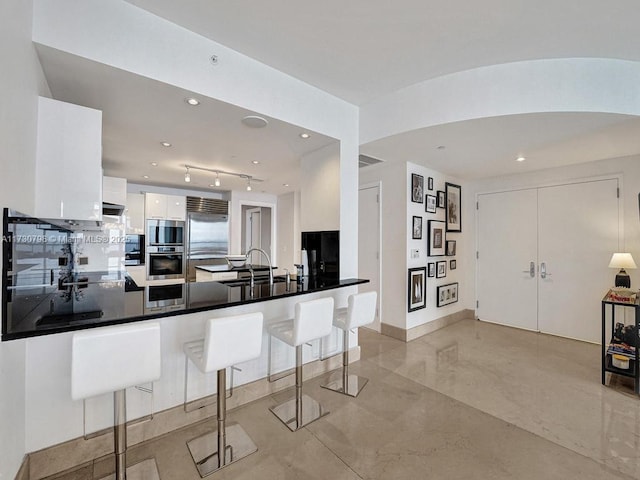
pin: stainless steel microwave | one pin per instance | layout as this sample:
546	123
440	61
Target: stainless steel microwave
165	232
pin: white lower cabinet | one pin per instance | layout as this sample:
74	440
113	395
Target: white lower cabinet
68	161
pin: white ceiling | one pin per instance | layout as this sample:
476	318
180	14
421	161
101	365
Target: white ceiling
358	50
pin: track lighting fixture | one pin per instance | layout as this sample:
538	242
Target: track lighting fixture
216	182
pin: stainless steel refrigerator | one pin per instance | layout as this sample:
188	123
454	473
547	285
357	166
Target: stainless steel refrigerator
207	233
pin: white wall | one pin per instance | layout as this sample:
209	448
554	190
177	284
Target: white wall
288	231
628	167
21	82
320	189
397	242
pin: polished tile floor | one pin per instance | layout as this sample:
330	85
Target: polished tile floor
470	401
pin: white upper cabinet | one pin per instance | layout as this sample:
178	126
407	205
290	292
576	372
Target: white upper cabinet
68	161
165	207
134	213
176	207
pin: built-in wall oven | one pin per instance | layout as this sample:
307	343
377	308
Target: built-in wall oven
165	249
165	262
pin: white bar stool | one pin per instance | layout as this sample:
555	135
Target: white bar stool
110	359
228	341
360	311
312	321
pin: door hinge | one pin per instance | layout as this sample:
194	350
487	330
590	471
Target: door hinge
477	304
477	205
377	198
617	192
477	255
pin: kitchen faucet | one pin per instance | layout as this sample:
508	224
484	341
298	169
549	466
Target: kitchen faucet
251	266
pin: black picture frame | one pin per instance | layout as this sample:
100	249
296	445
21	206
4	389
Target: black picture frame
430	203
441	269
453	211
417	288
431	269
417	188
453	264
437	238
417	228
451	248
446	294
441	198
430	183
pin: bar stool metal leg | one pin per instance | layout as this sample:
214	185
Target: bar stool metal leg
231	439
350	385
120	432
301	410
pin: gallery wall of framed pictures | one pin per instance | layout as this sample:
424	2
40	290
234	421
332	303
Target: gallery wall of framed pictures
434	237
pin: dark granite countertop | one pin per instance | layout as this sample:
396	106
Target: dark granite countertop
44	309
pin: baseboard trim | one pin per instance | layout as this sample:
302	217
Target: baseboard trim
426	328
78	452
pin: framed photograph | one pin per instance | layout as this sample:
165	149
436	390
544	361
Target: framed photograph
441	269
436	240
431	270
417	188
417	228
451	248
453	194
446	294
441	199
430	183
452	265
430	203
417	288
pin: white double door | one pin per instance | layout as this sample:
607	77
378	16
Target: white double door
543	256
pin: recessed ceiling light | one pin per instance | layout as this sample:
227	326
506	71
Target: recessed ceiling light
254	121
285	184
255	162
304	135
154	164
441	147
145	176
165	144
192	101
520	159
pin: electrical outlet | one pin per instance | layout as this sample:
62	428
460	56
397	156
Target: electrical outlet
415	253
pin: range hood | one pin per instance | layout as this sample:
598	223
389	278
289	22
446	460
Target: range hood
112	209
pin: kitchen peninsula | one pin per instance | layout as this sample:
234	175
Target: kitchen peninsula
44	294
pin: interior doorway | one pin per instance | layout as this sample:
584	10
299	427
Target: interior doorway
256	231
369	251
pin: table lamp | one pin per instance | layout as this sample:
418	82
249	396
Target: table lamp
622	261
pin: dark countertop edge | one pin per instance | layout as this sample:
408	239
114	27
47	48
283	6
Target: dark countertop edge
347	282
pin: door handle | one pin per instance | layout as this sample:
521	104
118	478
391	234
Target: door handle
543	271
532	270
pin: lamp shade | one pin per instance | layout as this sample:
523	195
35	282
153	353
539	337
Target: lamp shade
622	260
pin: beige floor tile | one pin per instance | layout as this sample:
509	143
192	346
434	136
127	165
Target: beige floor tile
472	400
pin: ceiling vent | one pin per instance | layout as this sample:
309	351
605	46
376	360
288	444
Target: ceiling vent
365	161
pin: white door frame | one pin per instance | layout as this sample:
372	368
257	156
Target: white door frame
274	214
378	185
